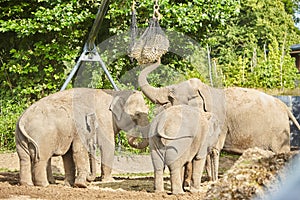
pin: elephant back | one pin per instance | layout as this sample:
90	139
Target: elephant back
255	119
177	122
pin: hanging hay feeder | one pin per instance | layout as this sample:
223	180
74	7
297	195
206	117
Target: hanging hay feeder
152	44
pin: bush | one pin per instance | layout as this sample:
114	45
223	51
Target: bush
10	111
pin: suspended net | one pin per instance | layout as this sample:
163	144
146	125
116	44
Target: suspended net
152	44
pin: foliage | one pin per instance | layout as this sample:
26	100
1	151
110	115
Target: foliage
265	70
40	41
41	38
253	49
10	110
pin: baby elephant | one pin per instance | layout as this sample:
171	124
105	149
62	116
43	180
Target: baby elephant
178	135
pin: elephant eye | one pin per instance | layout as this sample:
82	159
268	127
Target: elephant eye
138	114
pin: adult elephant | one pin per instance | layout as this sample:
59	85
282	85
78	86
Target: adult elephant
70	123
249	118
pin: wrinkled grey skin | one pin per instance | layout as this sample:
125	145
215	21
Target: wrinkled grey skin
178	135
248	118
70	123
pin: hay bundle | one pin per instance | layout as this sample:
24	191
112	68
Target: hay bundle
151	45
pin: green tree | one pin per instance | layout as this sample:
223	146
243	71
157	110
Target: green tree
40	40
244	45
39	43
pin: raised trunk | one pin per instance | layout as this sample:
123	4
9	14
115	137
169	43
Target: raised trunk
156	95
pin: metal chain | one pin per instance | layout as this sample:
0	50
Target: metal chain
133	5
156	13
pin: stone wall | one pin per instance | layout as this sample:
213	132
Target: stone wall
293	102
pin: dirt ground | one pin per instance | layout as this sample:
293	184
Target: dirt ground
240	177
137	184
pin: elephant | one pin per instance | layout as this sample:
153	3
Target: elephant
72	123
179	135
248	118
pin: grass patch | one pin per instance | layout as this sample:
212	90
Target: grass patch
131	175
8	170
229	155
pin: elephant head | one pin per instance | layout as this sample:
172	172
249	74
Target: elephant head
191	92
131	115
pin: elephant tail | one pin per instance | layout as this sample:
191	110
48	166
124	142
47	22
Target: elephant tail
21	126
293	118
160	130
161	133
164	136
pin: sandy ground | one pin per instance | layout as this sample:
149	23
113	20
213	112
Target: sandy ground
133	180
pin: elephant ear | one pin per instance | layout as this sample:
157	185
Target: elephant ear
205	93
171	94
117	107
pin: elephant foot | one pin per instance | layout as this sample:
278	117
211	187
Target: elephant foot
209	178
52	181
68	183
194	190
70	180
50	177
41	183
186	183
178	192
91	178
107	179
26	183
80	184
159	191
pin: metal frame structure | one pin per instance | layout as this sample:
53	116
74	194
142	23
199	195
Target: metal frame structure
90	53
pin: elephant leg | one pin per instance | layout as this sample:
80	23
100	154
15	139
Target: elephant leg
107	159
69	167
188	168
198	166
176	180
158	165
92	160
215	155
208	166
106	173
40	172
159	180
25	167
81	160
50	177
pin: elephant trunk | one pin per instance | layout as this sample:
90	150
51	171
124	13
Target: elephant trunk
156	95
140	145
92	176
143	129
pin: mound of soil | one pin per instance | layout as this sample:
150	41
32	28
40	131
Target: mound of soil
252	174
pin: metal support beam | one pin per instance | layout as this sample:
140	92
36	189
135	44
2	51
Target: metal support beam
88	56
90	53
